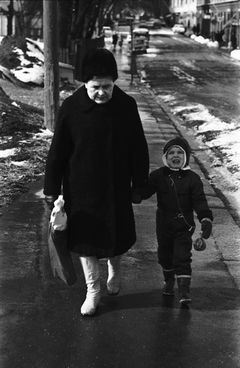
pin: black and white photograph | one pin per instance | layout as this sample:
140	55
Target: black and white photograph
119	184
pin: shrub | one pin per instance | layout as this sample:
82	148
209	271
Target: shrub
8	57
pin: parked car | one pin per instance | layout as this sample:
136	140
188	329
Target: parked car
124	31
140	40
178	28
107	31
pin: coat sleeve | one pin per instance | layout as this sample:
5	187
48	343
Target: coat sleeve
58	155
151	186
199	200
140	155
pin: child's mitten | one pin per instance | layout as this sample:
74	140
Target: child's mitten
136	198
199	244
206	228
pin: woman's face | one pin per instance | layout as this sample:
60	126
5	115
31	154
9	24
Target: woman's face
99	89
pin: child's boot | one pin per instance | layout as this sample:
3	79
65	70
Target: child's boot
169	281
90	267
184	282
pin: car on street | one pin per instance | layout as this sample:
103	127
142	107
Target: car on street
178	28
140	40
107	31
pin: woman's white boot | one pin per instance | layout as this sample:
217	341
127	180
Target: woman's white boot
114	278
90	267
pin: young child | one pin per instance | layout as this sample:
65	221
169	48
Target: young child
179	192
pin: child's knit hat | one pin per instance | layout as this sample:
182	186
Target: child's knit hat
179	142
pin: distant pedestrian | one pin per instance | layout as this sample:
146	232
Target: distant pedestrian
179	192
120	42
114	40
233	40
99	157
218	38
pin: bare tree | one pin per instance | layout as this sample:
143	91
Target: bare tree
28	14
65	22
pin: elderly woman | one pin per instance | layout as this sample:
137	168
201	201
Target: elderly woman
99	158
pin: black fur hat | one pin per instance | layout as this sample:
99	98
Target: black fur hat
181	142
99	63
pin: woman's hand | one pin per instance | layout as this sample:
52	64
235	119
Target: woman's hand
50	199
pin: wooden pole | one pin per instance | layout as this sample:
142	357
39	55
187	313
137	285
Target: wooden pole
51	59
132	56
10	18
238	28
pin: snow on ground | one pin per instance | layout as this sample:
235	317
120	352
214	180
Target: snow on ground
44	133
213	133
31	69
7	152
235	54
205	41
35	74
20	163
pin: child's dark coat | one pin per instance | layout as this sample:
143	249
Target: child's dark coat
179	193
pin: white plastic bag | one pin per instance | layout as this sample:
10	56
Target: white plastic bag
60	256
58	218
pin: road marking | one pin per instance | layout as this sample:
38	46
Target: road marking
189	64
181	74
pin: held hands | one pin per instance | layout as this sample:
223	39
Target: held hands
50	199
136	198
206	228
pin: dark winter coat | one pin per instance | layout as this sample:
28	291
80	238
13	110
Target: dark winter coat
99	153
178	193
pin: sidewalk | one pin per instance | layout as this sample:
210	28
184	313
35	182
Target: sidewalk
40	323
160	125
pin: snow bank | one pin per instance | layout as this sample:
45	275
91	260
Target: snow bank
213	44
201	39
7	152
34	74
20	163
44	133
235	54
31	69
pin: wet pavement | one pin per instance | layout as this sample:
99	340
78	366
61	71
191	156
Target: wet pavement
41	325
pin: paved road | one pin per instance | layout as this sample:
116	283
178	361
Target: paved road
191	72
41	326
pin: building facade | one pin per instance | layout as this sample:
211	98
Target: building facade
35	26
219	18
185	12
214	19
4	8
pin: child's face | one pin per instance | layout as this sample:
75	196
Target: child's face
175	157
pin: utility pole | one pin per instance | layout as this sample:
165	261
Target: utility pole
238	28
132	56
10	18
51	59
